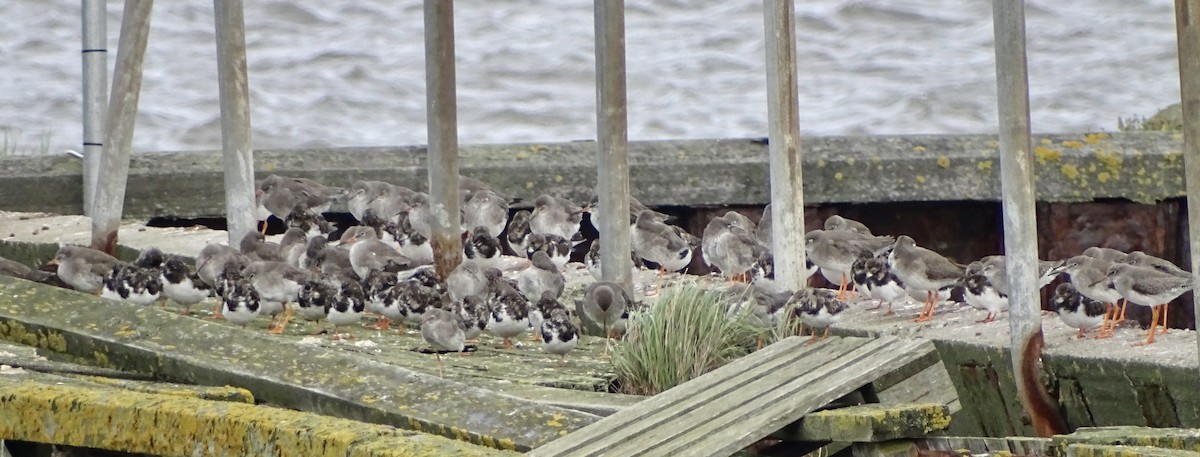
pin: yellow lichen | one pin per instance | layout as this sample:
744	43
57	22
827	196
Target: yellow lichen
522	155
1112	160
1103	176
1070	171
838	176
984	165
1045	154
943	162
528	184
1072	144
1093	138
919	148
558	178
821	163
1047	141
920	179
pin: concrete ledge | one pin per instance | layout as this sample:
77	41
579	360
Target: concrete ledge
1095	450
1141	166
308	378
869	423
116	419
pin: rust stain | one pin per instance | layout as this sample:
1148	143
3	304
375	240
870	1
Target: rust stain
1043	410
447	253
105	242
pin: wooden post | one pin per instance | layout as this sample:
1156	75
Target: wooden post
612	138
787	184
1020	220
238	156
122	111
1187	27
95	95
441	105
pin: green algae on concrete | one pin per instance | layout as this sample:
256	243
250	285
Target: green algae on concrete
1141	166
301	376
1181	439
870	423
121	420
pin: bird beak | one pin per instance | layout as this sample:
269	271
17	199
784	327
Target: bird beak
53	261
346	241
1098	282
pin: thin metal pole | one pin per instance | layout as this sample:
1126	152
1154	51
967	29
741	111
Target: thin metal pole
122	111
234	87
612	134
1020	223
1187	27
441	105
787	184
95	95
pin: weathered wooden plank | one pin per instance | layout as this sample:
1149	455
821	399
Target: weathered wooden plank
34	408
1167	438
1096	450
771	410
873	422
704	388
306	377
931	385
955	445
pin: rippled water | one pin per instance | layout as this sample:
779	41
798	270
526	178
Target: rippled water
352	73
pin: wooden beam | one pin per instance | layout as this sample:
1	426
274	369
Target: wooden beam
95	95
235	119
1187	27
441	106
612	147
787	183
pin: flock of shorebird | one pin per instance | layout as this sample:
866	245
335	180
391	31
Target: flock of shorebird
383	266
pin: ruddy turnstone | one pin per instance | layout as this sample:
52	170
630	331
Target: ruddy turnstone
324	258
1087	275
418	298
1145	286
509	309
818	308
381	300
444	331
277	284
240	303
518	232
482	246
133	284
835	251
474	314
981	294
310	222
666	245
84	268
879	281
316	295
605	302
731	246
181	284
557	247
922	270
558	334
347	308
541	277
1077	310
541	309
413	244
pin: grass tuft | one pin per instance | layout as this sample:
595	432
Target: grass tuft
683	335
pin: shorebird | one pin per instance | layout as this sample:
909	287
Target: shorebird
368	253
1077	310
635	208
22	271
362	193
1148	287
467	279
444	331
835	251
474	314
1106	254
558	334
761	308
604	302
1087	275
980	293
839	223
920	270
485	208
255	246
347	308
540	277
509	309
518	233
482	246
873	274
592	261
666	245
277	284
729	244
557	247
84	268
555	215
293	246
818	308
181	284
1143	259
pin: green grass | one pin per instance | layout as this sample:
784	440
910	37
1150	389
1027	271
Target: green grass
683	335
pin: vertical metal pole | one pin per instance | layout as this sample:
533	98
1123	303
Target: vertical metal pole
787	184
1020	223
1187	27
95	95
122	111
441	105
612	134
234	86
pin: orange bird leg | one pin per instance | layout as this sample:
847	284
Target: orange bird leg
927	310
263	230
217	311
383	323
1153	326
1104	331
842	288
1165	307
1080	334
